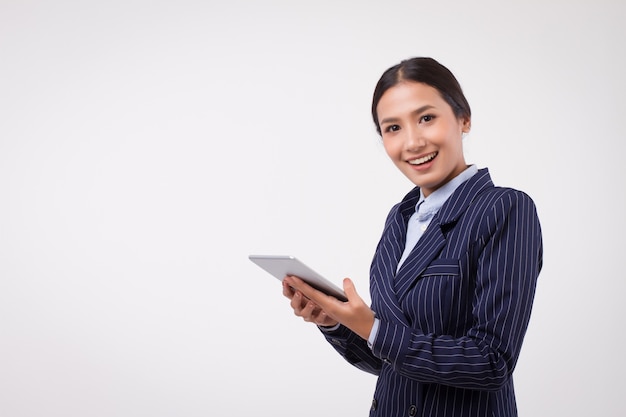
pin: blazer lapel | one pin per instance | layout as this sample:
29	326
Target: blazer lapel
385	263
433	240
426	249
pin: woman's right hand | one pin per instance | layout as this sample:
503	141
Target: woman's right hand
307	309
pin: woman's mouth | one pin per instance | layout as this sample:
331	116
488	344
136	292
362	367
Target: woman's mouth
423	159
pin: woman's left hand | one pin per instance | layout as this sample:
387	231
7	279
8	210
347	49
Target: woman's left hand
354	313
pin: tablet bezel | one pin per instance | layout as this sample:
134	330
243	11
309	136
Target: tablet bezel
282	265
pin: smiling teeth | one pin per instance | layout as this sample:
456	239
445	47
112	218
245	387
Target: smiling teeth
423	160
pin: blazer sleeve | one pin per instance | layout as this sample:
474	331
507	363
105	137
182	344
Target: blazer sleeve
508	260
354	349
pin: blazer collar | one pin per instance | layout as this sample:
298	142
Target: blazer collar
433	240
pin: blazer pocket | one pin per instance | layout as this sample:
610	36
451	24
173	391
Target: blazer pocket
436	294
443	267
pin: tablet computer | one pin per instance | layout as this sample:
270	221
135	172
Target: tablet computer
283	265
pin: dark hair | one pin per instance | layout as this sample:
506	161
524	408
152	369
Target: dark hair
427	71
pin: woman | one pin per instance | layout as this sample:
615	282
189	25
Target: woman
453	277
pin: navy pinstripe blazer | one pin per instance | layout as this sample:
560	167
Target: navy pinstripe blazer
452	319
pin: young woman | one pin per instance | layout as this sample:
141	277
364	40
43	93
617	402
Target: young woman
453	277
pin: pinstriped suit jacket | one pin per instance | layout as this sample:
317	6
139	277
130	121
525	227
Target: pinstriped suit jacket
453	318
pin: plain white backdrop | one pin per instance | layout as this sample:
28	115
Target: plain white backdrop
147	147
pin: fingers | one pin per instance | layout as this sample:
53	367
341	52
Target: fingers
309	292
288	291
305	308
301	306
303	303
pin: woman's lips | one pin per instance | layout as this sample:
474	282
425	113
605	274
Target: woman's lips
424	159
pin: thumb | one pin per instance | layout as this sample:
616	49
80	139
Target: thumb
348	288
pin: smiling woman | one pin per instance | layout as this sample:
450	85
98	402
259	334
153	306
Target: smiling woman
453	278
422	135
422	114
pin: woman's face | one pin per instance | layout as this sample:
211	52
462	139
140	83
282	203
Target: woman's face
421	134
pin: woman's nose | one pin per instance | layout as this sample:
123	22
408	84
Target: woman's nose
414	140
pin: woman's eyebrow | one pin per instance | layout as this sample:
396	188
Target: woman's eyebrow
414	112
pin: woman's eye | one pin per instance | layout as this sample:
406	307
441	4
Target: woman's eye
392	128
427	118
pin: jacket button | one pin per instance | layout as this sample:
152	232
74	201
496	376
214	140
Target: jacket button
412	410
374	404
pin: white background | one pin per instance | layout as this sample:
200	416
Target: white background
147	147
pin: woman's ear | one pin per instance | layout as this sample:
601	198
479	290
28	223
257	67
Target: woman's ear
466	124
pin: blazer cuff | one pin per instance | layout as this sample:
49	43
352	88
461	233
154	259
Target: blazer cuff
373	333
391	342
329	329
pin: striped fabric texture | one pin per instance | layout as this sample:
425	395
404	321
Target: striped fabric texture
453	318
